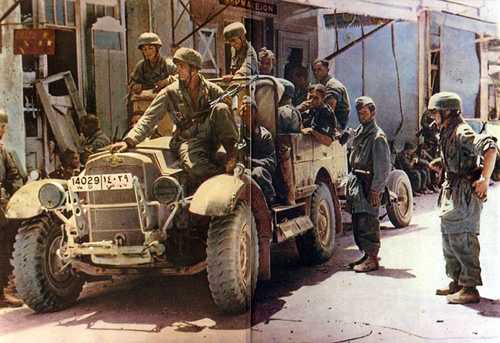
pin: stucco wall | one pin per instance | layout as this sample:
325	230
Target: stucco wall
11	82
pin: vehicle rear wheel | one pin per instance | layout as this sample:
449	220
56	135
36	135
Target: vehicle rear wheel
37	268
233	259
316	245
400	211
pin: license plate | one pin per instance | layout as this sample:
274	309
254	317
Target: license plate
90	183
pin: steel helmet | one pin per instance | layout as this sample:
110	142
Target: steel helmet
189	56
445	101
148	38
234	30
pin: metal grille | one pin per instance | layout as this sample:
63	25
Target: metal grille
106	223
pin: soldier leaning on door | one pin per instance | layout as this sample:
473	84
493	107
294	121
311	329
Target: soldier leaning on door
462	194
200	129
244	60
10	182
371	163
154	71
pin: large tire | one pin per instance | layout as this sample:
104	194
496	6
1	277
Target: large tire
316	245
233	259
401	211
39	282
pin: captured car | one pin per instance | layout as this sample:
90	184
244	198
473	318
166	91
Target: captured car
130	213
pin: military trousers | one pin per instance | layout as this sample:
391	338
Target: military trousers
197	149
7	239
264	179
366	231
461	256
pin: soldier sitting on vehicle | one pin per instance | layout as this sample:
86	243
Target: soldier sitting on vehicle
289	119
154	71
301	83
94	138
70	165
407	161
266	61
244	61
262	154
10	182
319	119
200	129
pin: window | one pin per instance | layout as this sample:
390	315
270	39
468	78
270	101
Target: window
60	12
207	47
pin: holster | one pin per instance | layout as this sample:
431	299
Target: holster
365	177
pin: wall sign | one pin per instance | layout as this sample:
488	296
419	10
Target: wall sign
34	42
257	6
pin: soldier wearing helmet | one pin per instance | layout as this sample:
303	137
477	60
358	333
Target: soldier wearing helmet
199	128
10	182
370	160
154	71
461	199
289	119
244	61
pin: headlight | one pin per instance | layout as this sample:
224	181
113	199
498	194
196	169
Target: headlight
166	189
52	195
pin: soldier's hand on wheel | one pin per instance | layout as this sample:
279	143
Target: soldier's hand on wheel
481	187
118	147
230	165
374	199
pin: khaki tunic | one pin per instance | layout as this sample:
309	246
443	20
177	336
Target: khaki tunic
244	62
343	106
148	75
10	178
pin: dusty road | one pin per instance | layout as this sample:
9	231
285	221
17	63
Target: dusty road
301	304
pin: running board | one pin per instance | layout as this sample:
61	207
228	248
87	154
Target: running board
293	227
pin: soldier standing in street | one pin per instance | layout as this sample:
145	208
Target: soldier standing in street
261	143
371	163
462	195
200	130
94	138
244	61
339	103
154	71
10	182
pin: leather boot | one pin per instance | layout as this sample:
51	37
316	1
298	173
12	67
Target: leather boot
358	261
453	287
467	295
368	265
10	297
286	167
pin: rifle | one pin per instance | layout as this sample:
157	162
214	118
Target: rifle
232	90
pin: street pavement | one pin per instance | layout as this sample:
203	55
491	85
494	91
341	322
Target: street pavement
324	303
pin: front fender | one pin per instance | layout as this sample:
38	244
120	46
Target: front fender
217	196
24	204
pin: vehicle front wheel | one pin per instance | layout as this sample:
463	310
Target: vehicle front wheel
233	259
400	211
40	282
317	244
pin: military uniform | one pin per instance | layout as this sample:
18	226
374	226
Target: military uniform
419	178
263	160
199	129
10	181
148	75
320	119
370	153
343	106
63	173
299	96
92	144
244	62
460	208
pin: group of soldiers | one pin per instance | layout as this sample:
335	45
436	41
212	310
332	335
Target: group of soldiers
320	110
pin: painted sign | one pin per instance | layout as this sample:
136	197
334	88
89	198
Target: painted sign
257	6
34	42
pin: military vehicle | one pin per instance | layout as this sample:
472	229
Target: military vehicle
130	213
